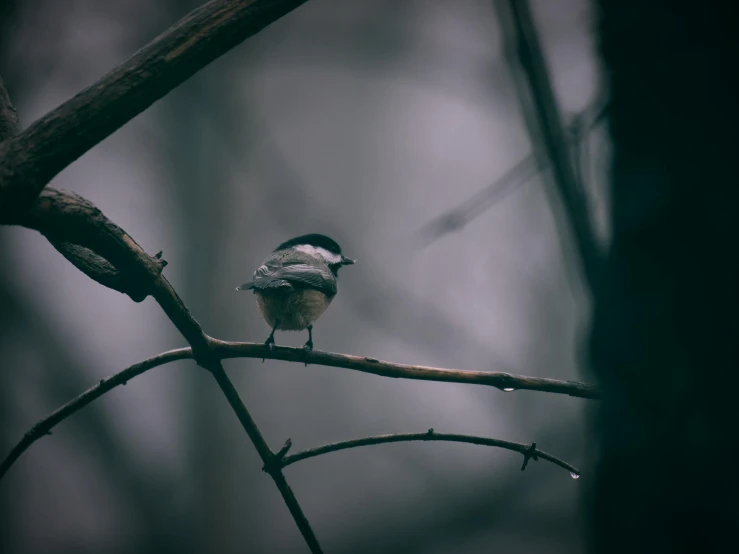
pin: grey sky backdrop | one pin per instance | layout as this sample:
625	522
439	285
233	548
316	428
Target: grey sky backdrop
362	120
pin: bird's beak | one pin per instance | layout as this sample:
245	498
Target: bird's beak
347	261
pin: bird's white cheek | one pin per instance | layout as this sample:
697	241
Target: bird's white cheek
329	257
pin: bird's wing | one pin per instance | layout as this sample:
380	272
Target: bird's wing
277	274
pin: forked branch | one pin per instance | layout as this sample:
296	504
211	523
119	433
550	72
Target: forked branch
220	350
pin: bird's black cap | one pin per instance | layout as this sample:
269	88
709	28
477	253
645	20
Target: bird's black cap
313	239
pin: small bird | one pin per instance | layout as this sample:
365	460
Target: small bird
296	283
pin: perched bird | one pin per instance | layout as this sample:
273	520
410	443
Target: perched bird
296	284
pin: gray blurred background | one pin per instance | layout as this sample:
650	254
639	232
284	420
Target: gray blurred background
363	120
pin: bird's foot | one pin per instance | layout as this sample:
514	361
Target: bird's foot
269	343
307	349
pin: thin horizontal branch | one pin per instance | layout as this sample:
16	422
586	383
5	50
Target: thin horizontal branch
220	350
366	364
31	159
527	450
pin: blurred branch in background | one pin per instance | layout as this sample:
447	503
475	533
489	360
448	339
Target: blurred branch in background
456	218
542	113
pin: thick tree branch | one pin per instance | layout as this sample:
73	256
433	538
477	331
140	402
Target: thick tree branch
31	159
529	451
92	242
77	229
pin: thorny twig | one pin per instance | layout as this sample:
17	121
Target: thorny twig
528	451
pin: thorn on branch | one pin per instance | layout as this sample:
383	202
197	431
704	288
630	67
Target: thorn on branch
162	263
529	454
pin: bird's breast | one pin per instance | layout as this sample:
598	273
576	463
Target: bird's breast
292	310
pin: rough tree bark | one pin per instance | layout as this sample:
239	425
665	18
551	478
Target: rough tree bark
664	341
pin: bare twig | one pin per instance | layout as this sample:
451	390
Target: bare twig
220	350
528	451
522	33
31	159
44	427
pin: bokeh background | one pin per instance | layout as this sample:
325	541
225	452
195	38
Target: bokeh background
364	120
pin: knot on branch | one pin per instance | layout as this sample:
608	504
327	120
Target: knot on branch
529	454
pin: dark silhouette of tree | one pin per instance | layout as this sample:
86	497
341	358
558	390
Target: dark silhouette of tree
664	341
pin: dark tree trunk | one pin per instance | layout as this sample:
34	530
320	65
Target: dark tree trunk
665	342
